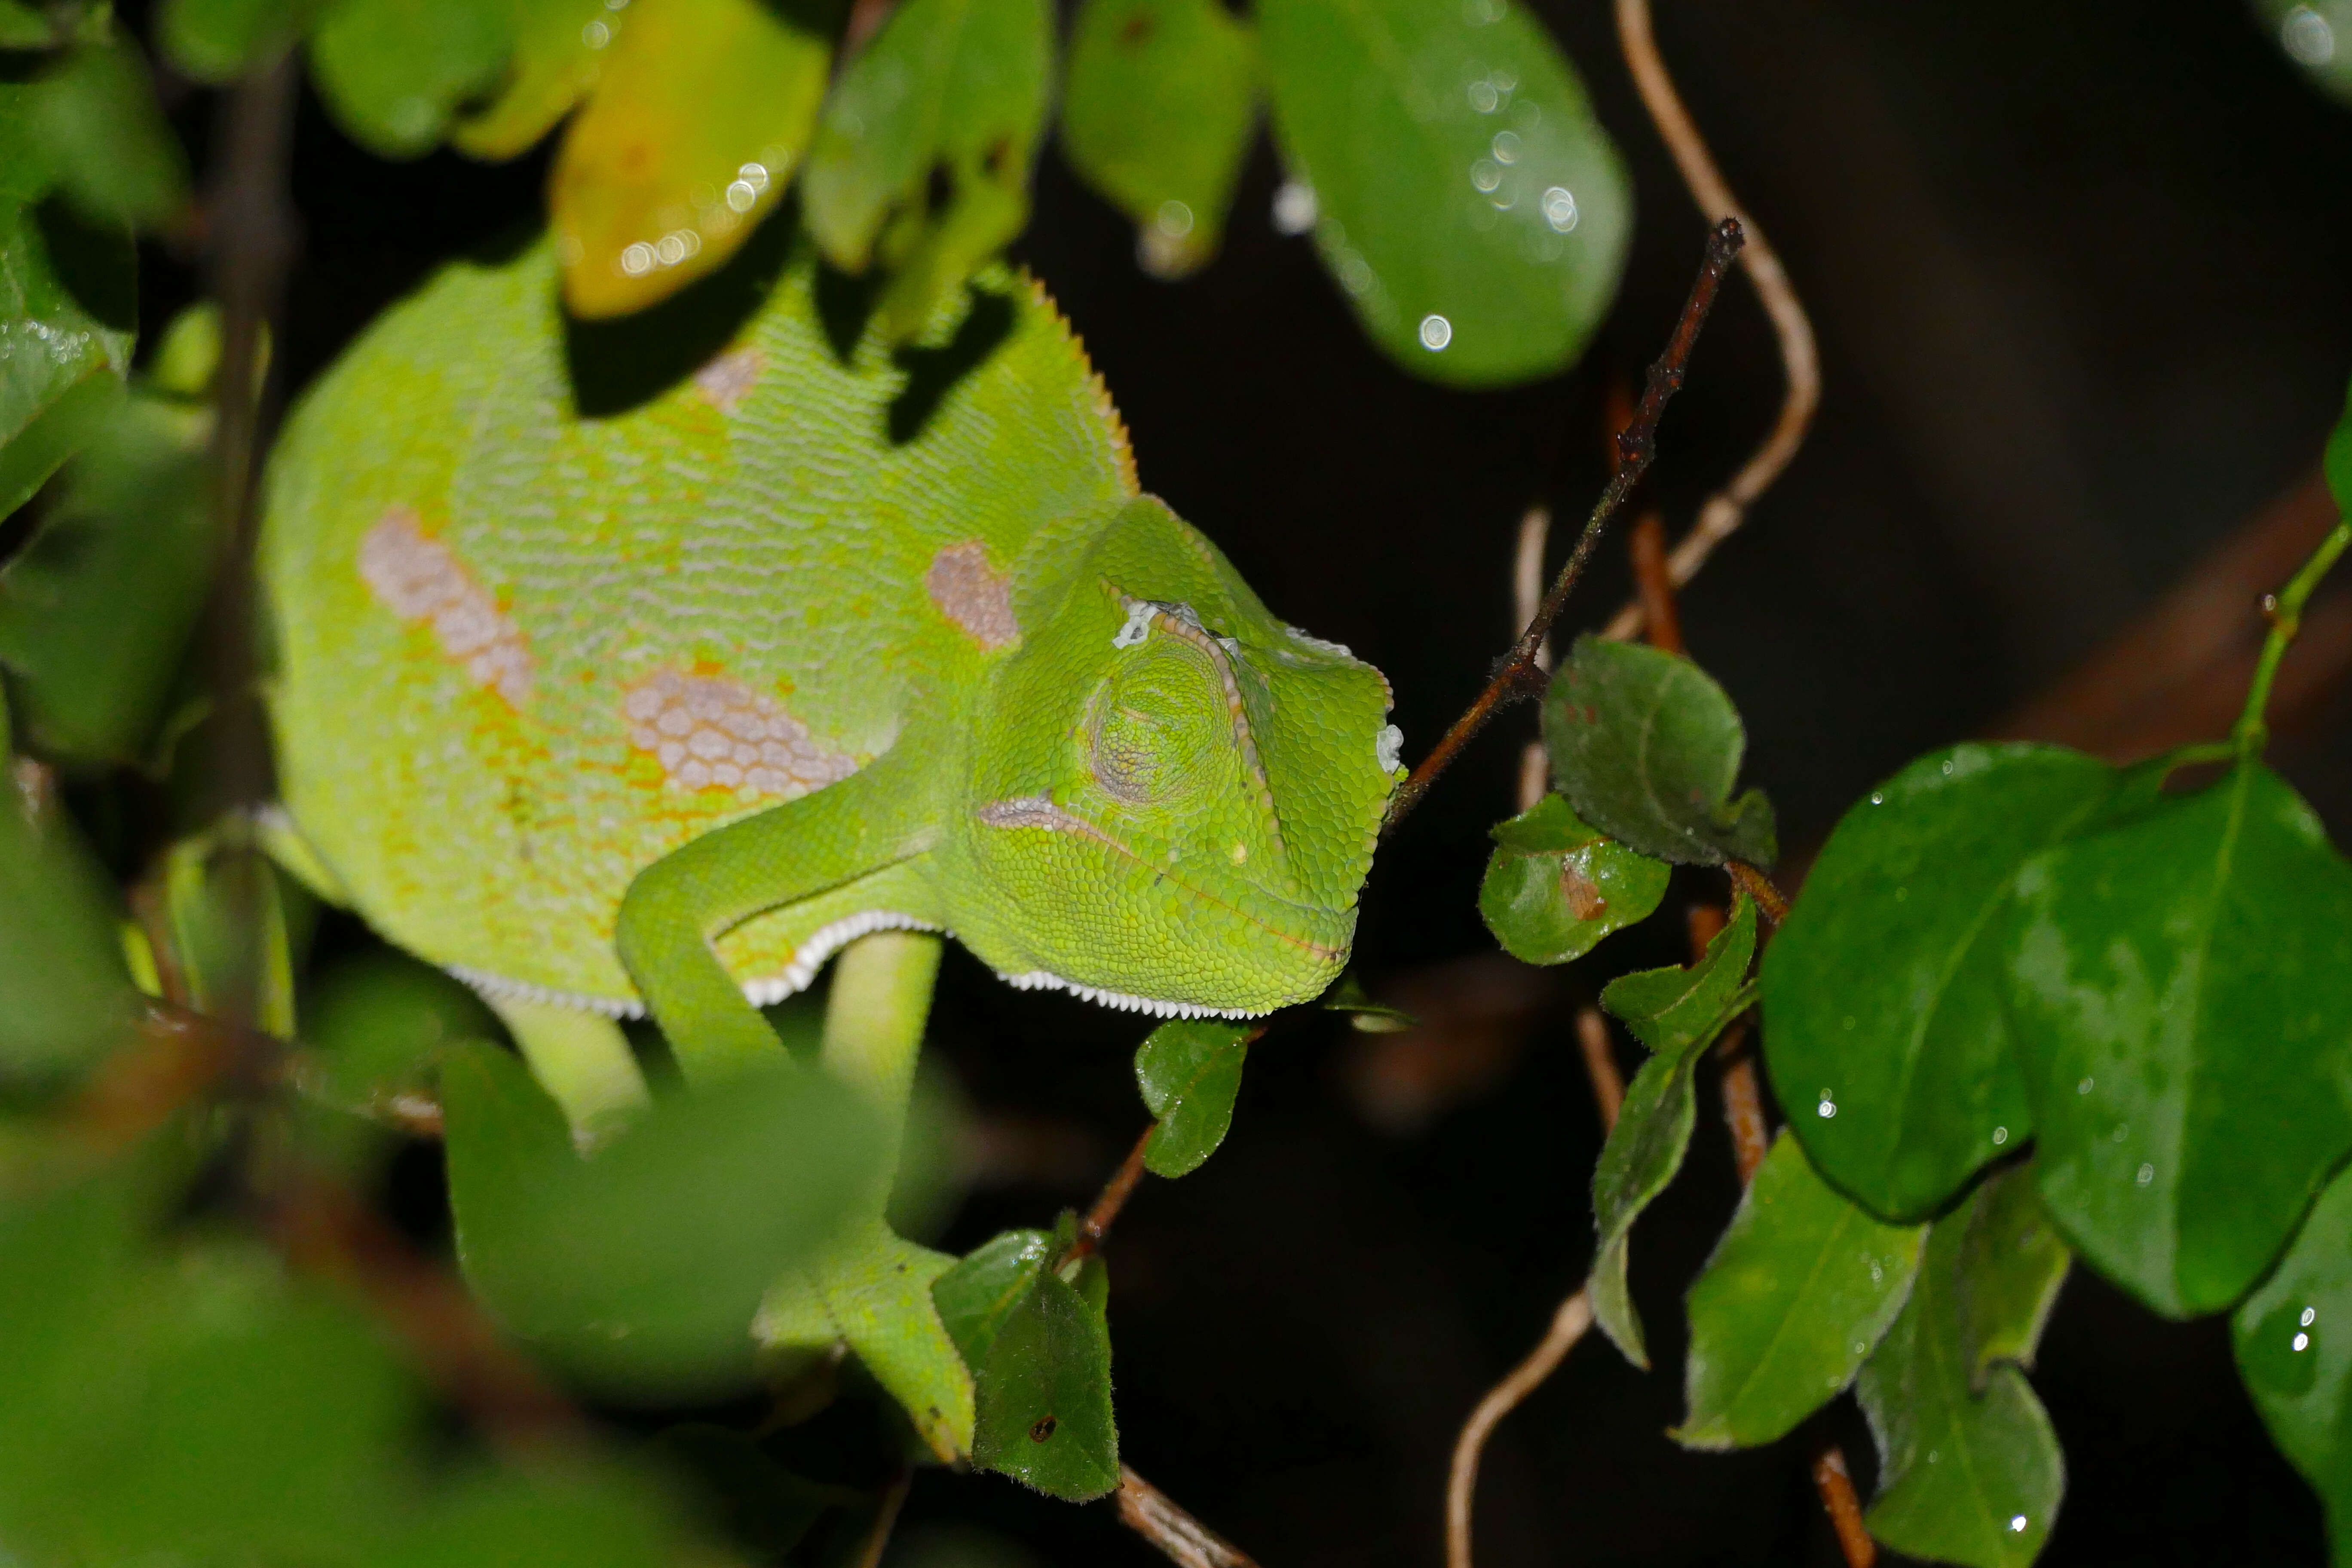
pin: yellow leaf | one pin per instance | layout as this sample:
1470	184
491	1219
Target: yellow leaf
559	47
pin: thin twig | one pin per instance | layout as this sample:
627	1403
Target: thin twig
1799	357
1519	676
1654	582
1743	1102
1113	1198
1601	1064
1155	1516
1831	1479
1759	887
886	1519
1526	598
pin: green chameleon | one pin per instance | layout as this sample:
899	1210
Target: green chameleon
663	702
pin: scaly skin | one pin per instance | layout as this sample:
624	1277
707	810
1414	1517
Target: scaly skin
794	648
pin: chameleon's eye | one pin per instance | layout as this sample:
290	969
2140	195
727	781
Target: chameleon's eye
1157	723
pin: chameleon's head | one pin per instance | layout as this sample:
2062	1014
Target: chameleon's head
1174	797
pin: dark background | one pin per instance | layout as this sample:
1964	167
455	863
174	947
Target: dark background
2078	276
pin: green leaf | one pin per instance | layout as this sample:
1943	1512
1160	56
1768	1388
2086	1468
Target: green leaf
1965	1477
225	916
2012	1263
559	52
1190	1069
1680	1013
66	997
1365	1015
570	1513
1646	747
1043	1407
700	114
1885	991
1801	1286
974	1297
922	161
641	1270
378	1019
97	613
114	157
1671	1009
68	300
394	72
216	41
28	25
2304	36
1554	887
2183	1010
1157	108
1471	206
2294	1338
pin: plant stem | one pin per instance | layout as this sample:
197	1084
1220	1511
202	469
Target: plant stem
1521	675
1181	1539
2286	611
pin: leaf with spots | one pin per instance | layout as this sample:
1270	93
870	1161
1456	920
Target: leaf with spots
2179	982
1190	1070
1680	1014
1043	1396
1965	1477
701	113
1801	1286
2294	1341
1646	747
1554	887
1886	1028
922	163
1470	205
1157	108
394	72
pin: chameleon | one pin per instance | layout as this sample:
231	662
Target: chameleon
657	699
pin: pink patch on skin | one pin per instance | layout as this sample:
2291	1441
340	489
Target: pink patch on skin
729	379
420	579
710	733
974	595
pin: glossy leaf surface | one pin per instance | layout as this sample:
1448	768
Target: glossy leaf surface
1680	1013
975	1296
1801	1287
2183	998
392	71
1044	1406
2012	1263
642	1268
700	116
1885	992
97	611
1470	205
1190	1070
1554	886
1964	1478
1646	747
2294	1341
1157	108
922	161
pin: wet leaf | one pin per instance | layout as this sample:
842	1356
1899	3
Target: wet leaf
1885	992
114	157
216	41
394	72
1554	887
641	1270
67	306
2293	1340
1964	1477
1681	1013
922	163
2182	999
701	115
1190	1070
974	1297
1044	1406
2012	1263
96	612
1470	205
1646	747
559	52
66	997
1801	1286
1157	108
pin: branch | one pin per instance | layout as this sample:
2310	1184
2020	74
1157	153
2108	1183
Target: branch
1521	675
1113	1198
1799	357
1155	1516
1567	1326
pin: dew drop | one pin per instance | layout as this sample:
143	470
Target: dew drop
2310	1314
1828	1109
2306	38
1559	209
1483	96
2016	1524
1999	1136
2147	1175
1173	219
1294	207
1876	799
2084	1087
1436	332
1485	175
1505	147
637	259
596	35
2301	1343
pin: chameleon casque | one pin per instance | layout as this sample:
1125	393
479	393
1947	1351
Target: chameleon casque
666	703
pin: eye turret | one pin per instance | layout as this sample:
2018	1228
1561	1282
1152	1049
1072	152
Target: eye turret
1158	724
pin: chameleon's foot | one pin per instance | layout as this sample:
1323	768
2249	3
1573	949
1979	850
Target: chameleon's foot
873	1292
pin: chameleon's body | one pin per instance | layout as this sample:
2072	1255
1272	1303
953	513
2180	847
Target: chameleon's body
662	706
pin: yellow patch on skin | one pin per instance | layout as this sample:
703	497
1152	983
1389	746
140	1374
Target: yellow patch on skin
421	579
709	732
974	595
729	378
